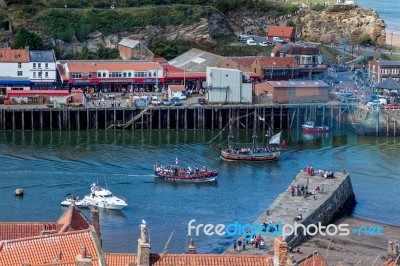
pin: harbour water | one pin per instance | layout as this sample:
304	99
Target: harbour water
48	165
388	10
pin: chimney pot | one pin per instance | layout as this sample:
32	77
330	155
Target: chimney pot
83	252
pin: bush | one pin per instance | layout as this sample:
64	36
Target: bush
340	8
317	7
365	40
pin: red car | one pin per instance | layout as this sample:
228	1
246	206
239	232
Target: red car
392	106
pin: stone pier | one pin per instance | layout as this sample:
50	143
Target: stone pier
335	200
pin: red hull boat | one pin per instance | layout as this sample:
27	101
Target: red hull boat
309	127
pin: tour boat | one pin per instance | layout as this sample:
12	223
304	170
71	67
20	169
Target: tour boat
309	127
189	174
103	198
71	199
254	152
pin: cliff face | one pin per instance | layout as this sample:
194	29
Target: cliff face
328	27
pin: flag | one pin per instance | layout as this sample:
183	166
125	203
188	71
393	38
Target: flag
284	144
261	118
275	139
176	160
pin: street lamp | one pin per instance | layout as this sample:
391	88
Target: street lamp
272	72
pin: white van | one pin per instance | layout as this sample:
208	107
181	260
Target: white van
179	94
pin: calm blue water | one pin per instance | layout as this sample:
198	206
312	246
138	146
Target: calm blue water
48	165
388	10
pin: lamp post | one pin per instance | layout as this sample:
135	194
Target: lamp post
272	72
391	44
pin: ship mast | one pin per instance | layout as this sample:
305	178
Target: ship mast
255	130
230	136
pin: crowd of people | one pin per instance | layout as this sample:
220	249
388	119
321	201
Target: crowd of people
246	151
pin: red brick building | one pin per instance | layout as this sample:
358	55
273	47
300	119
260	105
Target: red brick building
275	68
380	70
286	34
134	50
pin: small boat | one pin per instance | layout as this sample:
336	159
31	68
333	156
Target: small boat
309	127
175	173
103	198
254	152
71	199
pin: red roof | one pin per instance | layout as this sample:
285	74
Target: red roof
94	66
14	55
46	249
278	62
17	230
176	87
61	70
280	31
245	61
314	259
161	60
168	69
118	259
72	219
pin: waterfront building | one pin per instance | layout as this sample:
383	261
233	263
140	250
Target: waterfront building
275	68
110	75
308	58
130	49
42	70
380	70
292	91
286	34
14	69
242	63
226	85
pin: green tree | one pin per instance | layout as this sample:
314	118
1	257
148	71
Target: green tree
167	49
25	38
365	40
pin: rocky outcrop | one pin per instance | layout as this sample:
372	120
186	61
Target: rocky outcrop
328	27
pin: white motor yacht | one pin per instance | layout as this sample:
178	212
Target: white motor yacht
103	198
71	199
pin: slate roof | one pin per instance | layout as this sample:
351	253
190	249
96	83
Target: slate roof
298	49
196	60
389	63
8	55
389	84
129	42
298	84
42	56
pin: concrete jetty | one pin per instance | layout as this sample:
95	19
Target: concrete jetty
334	200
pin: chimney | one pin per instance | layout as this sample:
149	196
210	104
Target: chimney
143	253
280	251
96	222
192	247
60	255
83	259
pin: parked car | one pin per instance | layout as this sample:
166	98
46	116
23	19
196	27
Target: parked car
155	101
264	44
373	103
176	101
166	101
251	43
202	101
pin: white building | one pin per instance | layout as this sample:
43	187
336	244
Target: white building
226	85
43	70
14	69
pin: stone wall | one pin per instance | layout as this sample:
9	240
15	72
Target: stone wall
341	203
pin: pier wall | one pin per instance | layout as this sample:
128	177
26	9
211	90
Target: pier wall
341	203
169	118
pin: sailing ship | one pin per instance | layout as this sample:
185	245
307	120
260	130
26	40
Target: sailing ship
269	152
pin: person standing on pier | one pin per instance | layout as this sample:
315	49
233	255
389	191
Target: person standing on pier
234	244
239	243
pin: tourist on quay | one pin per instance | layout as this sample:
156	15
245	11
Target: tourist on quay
234	244
292	190
239	243
244	244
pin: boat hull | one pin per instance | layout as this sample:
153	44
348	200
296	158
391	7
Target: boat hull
202	177
256	157
78	203
315	129
105	205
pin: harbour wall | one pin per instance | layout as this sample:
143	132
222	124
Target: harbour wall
335	200
171	117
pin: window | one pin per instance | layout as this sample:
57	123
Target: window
39	65
46	65
34	65
46	74
99	74
129	74
104	74
140	74
40	74
124	74
34	74
19	73
76	75
19	65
